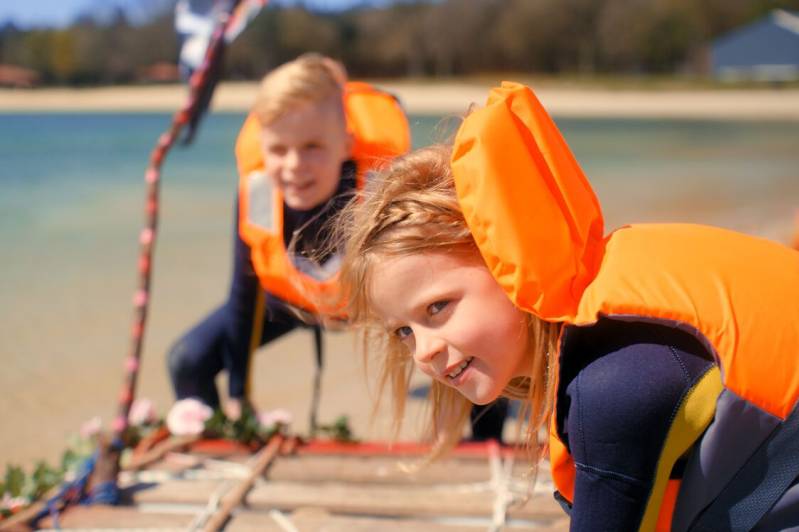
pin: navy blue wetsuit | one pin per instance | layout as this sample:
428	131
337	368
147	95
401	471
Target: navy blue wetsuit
621	384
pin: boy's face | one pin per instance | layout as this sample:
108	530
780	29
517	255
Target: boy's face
303	152
454	319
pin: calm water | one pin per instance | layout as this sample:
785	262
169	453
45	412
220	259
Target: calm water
71	209
62	169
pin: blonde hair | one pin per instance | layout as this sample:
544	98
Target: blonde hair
309	78
411	207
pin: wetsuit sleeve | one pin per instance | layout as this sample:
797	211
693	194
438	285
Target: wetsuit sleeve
241	315
621	407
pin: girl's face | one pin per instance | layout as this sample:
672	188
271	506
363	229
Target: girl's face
454	319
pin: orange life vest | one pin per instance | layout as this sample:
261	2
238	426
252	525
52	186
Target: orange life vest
539	228
380	132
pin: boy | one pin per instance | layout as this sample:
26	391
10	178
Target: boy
305	148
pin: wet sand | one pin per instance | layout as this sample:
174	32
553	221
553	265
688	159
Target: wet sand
441	97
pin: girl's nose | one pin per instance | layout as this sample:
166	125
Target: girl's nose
427	347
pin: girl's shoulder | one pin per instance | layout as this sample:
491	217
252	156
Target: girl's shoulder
623	381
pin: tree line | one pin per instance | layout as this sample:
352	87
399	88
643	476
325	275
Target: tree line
409	38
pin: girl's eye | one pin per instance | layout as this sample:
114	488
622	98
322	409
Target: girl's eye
437	307
403	332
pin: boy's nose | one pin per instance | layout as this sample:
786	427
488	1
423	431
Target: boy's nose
292	159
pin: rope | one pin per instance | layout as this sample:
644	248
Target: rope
74	492
500	476
212	507
152	177
282	521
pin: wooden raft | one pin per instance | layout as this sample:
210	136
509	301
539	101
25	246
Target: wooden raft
325	486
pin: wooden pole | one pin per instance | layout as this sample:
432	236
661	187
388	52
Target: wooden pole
235	497
107	468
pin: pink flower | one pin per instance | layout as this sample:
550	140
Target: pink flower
91	428
13	503
119	424
278	416
142	412
187	417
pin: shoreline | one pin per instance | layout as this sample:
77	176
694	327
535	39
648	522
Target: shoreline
446	97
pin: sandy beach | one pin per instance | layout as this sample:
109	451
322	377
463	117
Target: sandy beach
50	389
441	98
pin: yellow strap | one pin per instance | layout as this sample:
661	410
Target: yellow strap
695	414
255	338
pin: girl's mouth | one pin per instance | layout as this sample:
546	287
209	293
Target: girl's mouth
459	369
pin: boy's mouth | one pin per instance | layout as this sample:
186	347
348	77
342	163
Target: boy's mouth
299	187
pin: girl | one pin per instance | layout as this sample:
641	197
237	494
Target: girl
662	357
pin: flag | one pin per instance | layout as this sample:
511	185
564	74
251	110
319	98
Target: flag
195	22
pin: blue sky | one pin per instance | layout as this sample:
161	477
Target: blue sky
27	13
48	12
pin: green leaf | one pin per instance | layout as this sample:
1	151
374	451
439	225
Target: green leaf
339	430
69	459
215	425
15	480
45	478
245	429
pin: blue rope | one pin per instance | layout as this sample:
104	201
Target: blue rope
104	493
72	492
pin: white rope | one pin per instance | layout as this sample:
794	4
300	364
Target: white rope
500	478
212	506
283	521
216	498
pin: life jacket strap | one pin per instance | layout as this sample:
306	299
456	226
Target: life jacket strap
765	477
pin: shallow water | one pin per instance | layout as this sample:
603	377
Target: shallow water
71	209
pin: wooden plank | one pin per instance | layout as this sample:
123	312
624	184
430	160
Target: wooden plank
176	491
117	517
465	450
175	443
559	525
307	520
391	500
376	469
387	469
359	499
537	507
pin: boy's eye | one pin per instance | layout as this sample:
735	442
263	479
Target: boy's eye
277	150
313	146
437	307
403	332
